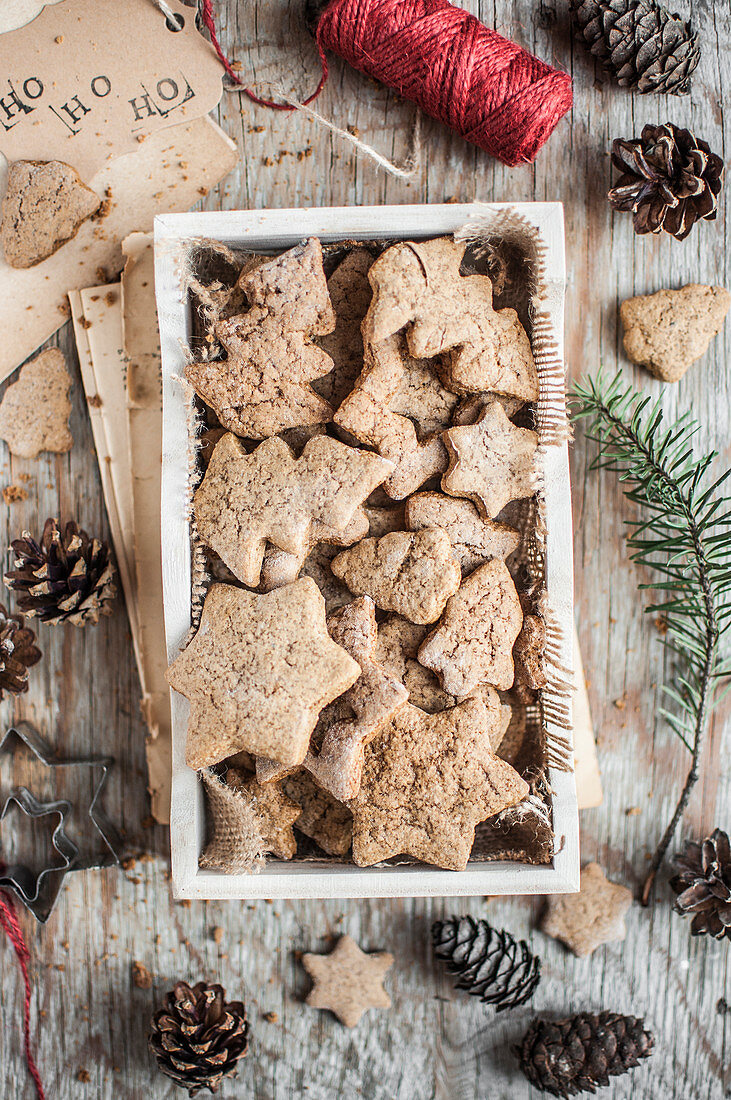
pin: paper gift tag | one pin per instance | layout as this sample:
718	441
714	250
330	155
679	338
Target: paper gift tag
88	79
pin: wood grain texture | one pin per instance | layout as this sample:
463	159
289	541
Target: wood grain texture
433	1043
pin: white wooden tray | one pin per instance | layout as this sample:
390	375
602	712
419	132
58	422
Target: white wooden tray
279	230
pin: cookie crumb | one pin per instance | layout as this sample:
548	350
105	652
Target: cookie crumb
13	494
141	976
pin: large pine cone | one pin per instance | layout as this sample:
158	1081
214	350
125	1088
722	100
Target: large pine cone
198	1037
490	964
17	653
703	885
670	180
577	1054
641	42
65	578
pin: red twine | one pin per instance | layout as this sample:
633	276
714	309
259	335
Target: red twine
490	90
12	929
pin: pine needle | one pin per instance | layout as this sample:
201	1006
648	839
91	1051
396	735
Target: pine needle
684	536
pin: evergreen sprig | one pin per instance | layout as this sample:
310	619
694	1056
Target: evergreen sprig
684	536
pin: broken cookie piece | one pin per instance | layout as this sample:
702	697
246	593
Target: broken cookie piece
44	205
325	820
669	330
34	413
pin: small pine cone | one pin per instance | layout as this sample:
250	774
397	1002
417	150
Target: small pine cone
703	885
65	578
490	965
641	42
198	1037
670	180
17	653
579	1053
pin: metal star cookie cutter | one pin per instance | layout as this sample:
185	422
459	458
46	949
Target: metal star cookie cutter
38	892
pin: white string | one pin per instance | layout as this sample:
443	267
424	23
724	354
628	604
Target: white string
407	171
168	12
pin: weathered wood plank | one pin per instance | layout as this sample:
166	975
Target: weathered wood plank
433	1043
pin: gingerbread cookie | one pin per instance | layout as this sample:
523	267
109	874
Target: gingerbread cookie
412	574
44	205
348	982
474	540
324	819
529	658
367	415
492	462
258	671
263	387
594	916
246	500
473	642
350	294
428	781
418	287
35	410
276	812
669	330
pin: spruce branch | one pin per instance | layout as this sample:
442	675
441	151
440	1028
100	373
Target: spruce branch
684	536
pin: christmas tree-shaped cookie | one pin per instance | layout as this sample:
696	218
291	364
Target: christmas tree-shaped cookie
263	386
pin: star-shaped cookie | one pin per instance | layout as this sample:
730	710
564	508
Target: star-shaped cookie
428	780
594	916
348	981
373	699
474	540
412	574
258	672
263	386
473	643
492	462
418	287
246	500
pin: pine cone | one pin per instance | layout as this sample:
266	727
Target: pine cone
67	578
642	43
704	885
17	653
577	1054
199	1037
486	961
670	179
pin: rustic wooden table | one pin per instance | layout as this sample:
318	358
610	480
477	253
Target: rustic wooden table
89	1019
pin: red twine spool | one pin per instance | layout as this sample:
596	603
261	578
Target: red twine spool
491	91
